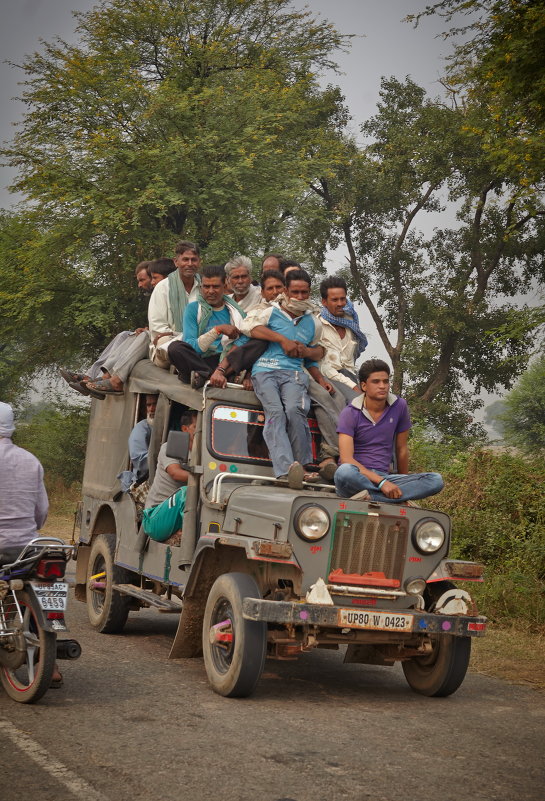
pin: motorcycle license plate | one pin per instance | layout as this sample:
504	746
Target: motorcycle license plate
51	597
377	621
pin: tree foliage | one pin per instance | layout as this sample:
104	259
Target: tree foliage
200	119
435	301
499	64
523	416
57	435
168	119
205	119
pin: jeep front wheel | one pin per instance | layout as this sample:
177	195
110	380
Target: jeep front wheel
440	672
233	648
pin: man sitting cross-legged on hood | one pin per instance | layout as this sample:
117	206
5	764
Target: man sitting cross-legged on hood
371	429
211	325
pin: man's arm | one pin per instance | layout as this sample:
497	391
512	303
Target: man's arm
191	327
289	346
177	473
42	504
402	451
318	377
346	456
313	352
219	376
138	448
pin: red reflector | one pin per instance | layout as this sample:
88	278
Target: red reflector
55	615
50	569
476	626
373	579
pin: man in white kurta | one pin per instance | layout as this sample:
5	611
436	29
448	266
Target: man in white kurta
169	300
341	337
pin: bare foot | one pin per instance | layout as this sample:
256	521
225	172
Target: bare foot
116	382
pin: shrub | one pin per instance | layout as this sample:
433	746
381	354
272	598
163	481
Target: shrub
57	435
496	499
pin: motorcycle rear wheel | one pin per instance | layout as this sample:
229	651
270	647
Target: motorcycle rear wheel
28	682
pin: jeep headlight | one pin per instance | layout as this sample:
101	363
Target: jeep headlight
428	536
312	522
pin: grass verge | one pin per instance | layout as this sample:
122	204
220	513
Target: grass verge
511	652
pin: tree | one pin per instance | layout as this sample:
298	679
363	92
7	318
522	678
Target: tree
499	64
55	304
435	302
200	119
493	414
56	433
523	417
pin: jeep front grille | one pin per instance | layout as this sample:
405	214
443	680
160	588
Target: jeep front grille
365	545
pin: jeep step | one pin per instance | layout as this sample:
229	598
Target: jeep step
148	597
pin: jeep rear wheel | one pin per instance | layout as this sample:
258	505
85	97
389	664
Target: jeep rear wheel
233	648
440	672
107	609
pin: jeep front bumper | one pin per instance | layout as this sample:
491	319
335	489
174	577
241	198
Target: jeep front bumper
403	622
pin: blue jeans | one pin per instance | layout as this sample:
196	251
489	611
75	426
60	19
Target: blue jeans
349	481
284	397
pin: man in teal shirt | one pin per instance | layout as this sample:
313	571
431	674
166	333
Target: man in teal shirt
210	327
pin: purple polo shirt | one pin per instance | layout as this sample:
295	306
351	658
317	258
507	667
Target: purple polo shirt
374	441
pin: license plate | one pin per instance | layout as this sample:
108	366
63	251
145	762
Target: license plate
378	621
51	597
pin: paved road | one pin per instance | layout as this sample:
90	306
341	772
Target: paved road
130	725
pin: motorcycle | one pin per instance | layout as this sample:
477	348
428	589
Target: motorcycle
33	596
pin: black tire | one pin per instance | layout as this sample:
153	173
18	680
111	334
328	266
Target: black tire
234	668
440	673
107	609
28	682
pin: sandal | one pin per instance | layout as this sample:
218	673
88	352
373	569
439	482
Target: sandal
71	377
103	386
328	471
296	476
56	683
79	386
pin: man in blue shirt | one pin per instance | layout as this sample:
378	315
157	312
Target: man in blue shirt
292	329
139	440
210	326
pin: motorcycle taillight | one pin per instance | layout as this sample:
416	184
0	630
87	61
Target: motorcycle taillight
50	569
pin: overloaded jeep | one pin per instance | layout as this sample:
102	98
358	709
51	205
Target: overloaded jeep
260	569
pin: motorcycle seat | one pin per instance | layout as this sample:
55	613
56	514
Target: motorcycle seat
9	554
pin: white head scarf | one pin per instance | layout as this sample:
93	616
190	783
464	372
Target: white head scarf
295	306
7	426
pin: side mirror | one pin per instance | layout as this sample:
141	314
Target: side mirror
178	446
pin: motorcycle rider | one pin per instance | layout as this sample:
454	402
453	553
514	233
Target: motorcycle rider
23	498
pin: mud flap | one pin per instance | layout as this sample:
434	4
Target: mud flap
188	640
